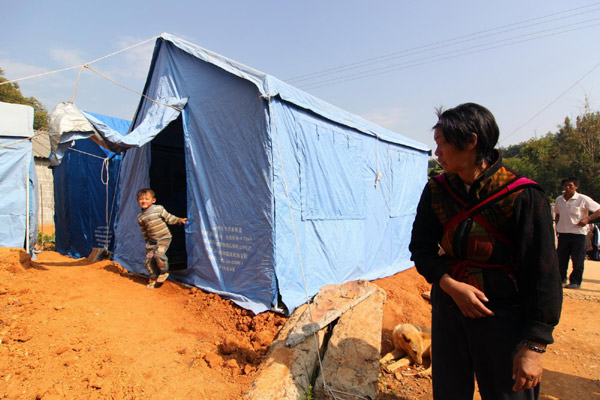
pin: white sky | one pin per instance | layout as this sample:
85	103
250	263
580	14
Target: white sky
392	62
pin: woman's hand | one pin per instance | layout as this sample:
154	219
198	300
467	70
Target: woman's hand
468	298
527	369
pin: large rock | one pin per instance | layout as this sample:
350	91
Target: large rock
351	360
287	372
331	302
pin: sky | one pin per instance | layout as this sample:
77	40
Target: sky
531	63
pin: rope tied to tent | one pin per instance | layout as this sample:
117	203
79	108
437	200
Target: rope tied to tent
76	84
287	194
87	65
80	65
131	90
105	167
23	140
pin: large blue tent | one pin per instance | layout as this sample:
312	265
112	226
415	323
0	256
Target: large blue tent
283	192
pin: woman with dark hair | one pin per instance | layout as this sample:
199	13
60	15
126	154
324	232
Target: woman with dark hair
483	236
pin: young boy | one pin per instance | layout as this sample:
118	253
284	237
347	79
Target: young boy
153	220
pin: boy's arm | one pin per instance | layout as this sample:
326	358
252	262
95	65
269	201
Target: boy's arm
171	219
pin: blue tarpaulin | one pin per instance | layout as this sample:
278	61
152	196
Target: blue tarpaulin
84	190
18	179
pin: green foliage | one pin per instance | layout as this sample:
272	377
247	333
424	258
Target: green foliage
433	168
46	238
572	151
307	394
11	93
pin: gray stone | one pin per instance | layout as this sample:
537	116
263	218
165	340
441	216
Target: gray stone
327	306
351	360
286	373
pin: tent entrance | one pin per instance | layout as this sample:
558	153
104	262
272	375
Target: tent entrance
168	180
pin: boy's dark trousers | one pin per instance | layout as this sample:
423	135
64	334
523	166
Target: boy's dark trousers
157	262
463	348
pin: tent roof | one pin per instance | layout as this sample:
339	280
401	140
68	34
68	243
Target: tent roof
270	86
16	120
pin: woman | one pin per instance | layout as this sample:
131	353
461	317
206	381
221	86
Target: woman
484	238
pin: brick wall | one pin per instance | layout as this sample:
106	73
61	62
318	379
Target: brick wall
45	196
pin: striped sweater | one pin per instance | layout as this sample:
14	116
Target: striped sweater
153	222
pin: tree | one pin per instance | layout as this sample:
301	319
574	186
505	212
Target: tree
11	93
433	168
574	150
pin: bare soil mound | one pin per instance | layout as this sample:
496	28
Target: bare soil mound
71	329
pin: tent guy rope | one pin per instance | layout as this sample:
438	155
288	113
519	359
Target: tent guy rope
79	65
125	87
23	140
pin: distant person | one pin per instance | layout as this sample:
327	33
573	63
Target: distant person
572	211
153	220
483	236
593	247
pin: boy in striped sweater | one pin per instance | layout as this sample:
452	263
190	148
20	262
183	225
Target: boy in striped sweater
153	220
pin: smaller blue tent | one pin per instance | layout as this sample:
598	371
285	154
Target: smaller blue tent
18	179
85	185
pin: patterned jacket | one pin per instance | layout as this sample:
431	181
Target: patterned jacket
524	217
153	223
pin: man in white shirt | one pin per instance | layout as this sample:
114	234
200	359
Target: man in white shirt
572	211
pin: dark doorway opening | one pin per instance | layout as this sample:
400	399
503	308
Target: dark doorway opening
168	180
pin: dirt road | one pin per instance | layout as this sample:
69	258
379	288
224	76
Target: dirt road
70	329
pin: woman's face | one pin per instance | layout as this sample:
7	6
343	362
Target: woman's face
451	158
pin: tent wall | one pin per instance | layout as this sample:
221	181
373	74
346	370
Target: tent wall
18	178
82	201
347	228
84	194
17	172
229	239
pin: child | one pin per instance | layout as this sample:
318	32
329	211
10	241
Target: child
153	222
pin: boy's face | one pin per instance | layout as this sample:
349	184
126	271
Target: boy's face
145	200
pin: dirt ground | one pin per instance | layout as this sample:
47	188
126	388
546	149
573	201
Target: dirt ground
71	329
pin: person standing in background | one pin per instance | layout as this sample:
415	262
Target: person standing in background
572	211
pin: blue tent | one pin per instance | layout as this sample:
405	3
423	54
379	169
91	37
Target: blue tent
85	182
18	179
283	192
